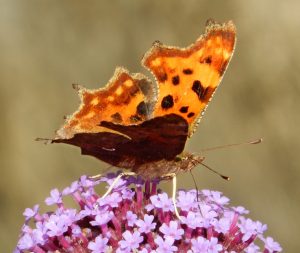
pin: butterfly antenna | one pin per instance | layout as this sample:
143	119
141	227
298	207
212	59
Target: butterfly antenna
45	140
257	141
197	193
196	187
216	172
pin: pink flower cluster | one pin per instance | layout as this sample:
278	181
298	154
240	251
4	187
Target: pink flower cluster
137	217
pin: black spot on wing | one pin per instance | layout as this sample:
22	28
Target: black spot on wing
184	109
142	109
187	71
176	80
162	77
207	60
167	102
116	117
198	88
191	114
203	94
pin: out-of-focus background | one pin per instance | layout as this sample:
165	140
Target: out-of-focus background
48	45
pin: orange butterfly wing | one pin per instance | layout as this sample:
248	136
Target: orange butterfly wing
188	77
126	99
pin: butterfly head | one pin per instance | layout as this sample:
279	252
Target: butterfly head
188	161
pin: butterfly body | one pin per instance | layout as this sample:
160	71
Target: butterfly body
162	168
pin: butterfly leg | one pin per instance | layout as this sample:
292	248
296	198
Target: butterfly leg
174	188
95	178
122	174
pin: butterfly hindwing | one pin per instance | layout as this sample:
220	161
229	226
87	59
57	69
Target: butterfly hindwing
132	146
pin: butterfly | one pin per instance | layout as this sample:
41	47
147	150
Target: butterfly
140	125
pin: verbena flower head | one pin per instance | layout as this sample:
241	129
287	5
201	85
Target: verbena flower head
137	217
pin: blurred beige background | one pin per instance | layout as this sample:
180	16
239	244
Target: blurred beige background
48	45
